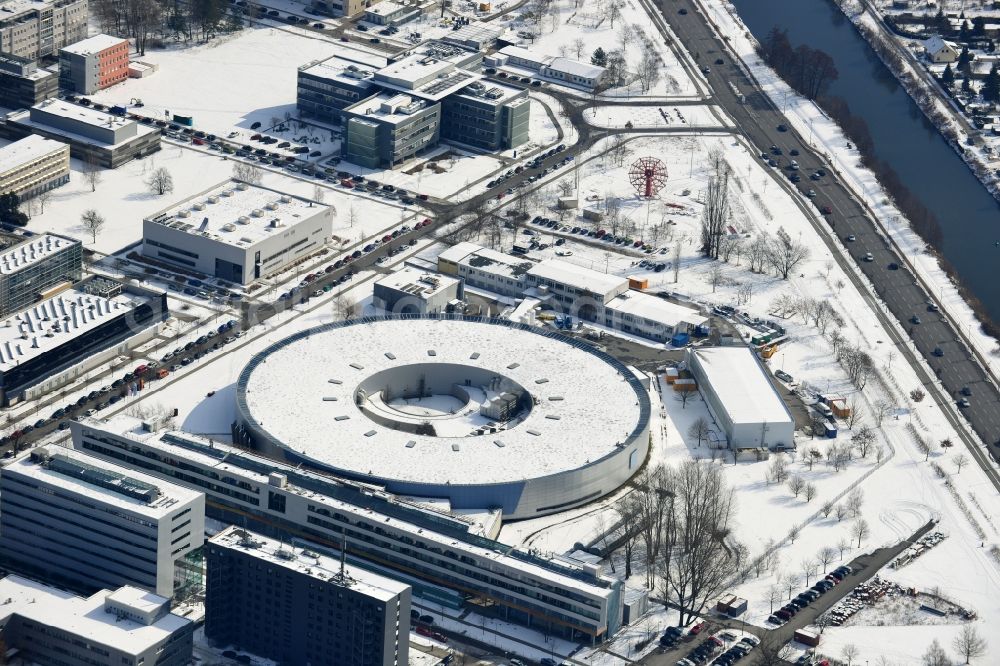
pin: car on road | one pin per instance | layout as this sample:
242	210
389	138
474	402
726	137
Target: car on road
964	402
706	70
826	210
868	257
719	61
851	238
794	152
914	319
782	128
938	352
966	390
932	306
682	11
893	266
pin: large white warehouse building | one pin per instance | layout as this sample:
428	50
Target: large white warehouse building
741	397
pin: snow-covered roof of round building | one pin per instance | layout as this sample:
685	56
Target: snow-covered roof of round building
352	396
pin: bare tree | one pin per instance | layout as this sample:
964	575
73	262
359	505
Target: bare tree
778	472
849	652
854	409
715	214
827	509
784	254
699	429
960	461
699	553
863	439
43	198
825	556
935	655
796	484
578	46
92	172
344	308
655	515
809	492
614	13
757	252
840	512
924	447
793	533
860	530
93	222
808	568
247	172
843	545
916	395
881	410
791	582
855	500
714	277
628	512
773	596
160	182
969	643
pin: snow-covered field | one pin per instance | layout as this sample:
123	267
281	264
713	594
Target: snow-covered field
655	116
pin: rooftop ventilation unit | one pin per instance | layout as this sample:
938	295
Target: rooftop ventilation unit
257	212
243	219
183	213
213	199
271	205
199	206
229	226
241	186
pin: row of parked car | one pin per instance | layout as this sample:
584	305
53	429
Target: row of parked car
723	649
534	164
789	610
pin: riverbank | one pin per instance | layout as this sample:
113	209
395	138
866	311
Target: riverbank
822	132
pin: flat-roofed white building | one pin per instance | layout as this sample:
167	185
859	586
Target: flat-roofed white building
563	70
237	232
90	524
649	316
741	397
33	165
46	625
483	268
413	291
104	138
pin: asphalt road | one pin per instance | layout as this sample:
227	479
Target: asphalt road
759	119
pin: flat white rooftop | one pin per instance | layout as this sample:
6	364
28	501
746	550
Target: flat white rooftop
26	150
51	323
137	598
487	260
237	213
575	68
655	309
388	107
116	488
94	44
83	114
34	249
580	277
310	563
745	392
385	8
583	406
83	617
417	282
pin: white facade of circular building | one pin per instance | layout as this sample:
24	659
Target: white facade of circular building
484	412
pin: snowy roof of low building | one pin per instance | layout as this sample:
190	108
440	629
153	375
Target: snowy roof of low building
386	107
237	213
580	277
94	44
84	475
417	283
309	563
654	309
428	76
526	54
744	390
936	44
82	617
492	91
340	67
82	114
28	149
317	415
385	8
34	249
576	68
137	598
486	260
47	325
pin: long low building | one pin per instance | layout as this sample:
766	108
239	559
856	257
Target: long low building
237	232
95	137
439	554
45	625
62	337
33	165
739	394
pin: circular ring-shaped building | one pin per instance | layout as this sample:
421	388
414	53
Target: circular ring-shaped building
484	412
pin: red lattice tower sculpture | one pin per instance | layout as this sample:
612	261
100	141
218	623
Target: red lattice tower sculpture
648	176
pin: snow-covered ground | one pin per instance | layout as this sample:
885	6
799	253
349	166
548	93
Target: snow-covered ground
695	117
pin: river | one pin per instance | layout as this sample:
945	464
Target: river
903	137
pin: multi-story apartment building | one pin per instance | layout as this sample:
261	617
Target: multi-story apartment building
124	627
93	64
23	84
74	519
326	87
33	165
292	604
443	556
35	29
